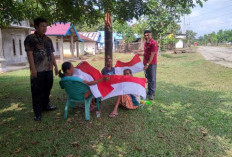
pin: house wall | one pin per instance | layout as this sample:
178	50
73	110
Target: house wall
55	45
1	50
90	47
67	49
81	47
16	36
179	44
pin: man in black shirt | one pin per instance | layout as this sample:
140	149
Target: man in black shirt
40	55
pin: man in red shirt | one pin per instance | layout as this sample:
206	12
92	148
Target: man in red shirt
150	62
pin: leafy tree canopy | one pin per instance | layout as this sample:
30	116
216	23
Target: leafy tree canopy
90	11
221	37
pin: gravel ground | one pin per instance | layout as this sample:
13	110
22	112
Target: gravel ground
218	55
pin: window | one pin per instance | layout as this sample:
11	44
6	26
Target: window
20	47
14	50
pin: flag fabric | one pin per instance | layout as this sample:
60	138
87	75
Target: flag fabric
126	85
135	65
88	73
117	84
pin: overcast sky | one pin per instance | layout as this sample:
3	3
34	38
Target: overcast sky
213	16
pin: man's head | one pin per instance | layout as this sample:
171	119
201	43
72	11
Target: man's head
40	25
147	35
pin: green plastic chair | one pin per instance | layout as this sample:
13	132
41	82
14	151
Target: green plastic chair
75	90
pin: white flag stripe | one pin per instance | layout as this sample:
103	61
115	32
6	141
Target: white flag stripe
84	76
126	88
134	68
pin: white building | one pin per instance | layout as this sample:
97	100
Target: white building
180	41
91	40
12	51
65	40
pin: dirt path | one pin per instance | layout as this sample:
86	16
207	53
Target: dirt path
218	55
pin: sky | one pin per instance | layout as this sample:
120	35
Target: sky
213	16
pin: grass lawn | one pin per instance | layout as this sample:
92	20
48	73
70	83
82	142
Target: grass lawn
191	116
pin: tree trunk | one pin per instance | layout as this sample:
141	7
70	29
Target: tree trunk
108	37
72	49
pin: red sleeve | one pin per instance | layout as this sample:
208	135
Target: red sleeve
154	47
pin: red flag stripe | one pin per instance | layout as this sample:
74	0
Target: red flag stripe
119	79
134	60
104	87
87	68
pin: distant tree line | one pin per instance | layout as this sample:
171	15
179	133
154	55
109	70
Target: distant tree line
222	37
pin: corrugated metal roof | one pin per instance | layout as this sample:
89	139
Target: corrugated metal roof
84	38
91	35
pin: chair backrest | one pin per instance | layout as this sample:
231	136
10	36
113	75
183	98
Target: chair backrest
74	89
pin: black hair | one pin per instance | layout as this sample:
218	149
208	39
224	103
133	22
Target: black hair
65	66
147	31
38	20
127	70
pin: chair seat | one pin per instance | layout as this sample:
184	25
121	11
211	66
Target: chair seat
75	90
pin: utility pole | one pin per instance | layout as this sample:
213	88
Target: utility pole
184	27
108	37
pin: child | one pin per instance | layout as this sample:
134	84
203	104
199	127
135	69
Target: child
108	69
129	101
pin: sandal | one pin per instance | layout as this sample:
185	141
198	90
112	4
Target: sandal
113	115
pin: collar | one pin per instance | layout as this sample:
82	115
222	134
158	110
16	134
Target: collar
149	41
36	33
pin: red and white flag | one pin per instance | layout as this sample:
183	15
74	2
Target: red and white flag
135	65
117	84
126	85
88	73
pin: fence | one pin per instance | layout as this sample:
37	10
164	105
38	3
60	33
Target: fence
129	47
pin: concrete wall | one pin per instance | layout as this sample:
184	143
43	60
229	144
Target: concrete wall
90	47
81	48
179	44
55	45
19	55
67	49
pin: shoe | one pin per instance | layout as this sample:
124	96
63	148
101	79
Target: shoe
151	97
50	108
37	118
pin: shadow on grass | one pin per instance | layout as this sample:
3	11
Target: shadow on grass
142	132
199	111
173	56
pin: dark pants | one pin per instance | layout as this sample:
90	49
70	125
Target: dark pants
150	74
40	90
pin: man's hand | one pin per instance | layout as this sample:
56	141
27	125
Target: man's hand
34	73
56	70
140	54
145	67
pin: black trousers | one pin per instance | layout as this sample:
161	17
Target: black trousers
40	90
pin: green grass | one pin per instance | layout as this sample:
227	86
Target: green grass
192	94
